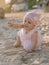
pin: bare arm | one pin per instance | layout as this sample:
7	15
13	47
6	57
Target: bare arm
34	38
18	42
15	25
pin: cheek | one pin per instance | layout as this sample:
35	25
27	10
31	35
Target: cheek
32	25
35	23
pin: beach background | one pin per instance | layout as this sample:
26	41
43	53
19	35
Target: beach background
9	55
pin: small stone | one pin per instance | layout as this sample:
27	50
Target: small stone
36	62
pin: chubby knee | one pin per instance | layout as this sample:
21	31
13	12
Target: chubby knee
17	44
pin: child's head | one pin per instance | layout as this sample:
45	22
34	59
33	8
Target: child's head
30	20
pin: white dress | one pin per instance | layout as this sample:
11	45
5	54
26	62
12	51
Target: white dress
26	39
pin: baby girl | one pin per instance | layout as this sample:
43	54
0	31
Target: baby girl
29	36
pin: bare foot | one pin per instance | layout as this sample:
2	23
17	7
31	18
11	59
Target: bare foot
16	45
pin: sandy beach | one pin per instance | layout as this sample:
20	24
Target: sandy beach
9	55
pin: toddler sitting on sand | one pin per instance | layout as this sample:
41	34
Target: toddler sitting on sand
28	36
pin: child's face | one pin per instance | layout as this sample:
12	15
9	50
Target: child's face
30	23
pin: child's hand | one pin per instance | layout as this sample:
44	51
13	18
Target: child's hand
10	24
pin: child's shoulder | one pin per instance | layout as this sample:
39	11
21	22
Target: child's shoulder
37	30
20	31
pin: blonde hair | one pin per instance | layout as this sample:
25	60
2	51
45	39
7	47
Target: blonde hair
32	15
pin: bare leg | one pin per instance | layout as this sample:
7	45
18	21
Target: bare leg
18	42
